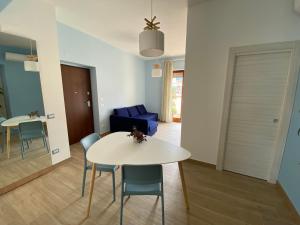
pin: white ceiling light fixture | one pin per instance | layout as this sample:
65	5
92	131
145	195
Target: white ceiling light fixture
151	40
31	63
156	70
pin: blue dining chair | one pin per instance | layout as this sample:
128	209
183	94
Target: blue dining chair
29	131
86	143
142	180
3	131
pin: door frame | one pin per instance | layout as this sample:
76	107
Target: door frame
293	48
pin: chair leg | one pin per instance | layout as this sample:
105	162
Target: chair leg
162	209
22	149
3	138
46	144
83	182
114	186
27	145
99	173
121	215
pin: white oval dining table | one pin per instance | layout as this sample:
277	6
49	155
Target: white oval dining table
119	149
14	122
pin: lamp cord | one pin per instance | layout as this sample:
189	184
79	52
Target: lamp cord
151	9
31	47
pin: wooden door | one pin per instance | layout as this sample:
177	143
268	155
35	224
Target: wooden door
78	102
259	87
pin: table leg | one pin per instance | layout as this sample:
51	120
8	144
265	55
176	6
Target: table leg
183	185
91	189
8	141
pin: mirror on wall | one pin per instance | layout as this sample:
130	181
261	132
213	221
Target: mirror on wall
24	148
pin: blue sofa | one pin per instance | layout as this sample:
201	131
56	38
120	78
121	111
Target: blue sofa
124	119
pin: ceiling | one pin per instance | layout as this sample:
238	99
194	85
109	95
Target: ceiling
15	41
119	22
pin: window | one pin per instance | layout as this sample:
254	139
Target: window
177	85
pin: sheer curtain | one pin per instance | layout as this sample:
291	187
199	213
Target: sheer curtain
166	113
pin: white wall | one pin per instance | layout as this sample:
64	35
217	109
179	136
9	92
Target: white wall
213	27
36	19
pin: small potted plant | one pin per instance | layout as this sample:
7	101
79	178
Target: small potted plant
137	135
34	115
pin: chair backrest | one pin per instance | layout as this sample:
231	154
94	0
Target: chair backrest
87	141
31	129
149	174
2	119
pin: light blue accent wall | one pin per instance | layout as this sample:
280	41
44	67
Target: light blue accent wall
154	84
3	4
22	89
118	77
289	176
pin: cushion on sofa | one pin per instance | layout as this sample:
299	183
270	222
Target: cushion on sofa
147	116
133	112
121	112
141	108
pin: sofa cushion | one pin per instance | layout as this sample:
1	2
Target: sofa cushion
148	116
141	108
133	112
121	112
153	115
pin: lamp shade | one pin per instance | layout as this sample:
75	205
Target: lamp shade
151	43
31	66
156	70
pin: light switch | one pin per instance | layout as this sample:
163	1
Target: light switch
50	116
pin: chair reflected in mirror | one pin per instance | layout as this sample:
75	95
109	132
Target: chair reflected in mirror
29	131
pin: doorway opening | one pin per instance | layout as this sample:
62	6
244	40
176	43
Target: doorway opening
177	88
78	101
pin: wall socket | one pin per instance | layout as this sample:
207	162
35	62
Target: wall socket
55	151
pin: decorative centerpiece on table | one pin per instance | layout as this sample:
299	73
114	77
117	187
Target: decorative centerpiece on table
137	135
34	114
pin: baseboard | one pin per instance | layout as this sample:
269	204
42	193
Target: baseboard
289	204
200	163
31	177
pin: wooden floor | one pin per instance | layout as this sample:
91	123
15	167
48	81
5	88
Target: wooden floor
216	198
15	168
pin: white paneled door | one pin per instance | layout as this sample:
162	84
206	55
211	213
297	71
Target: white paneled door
259	86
